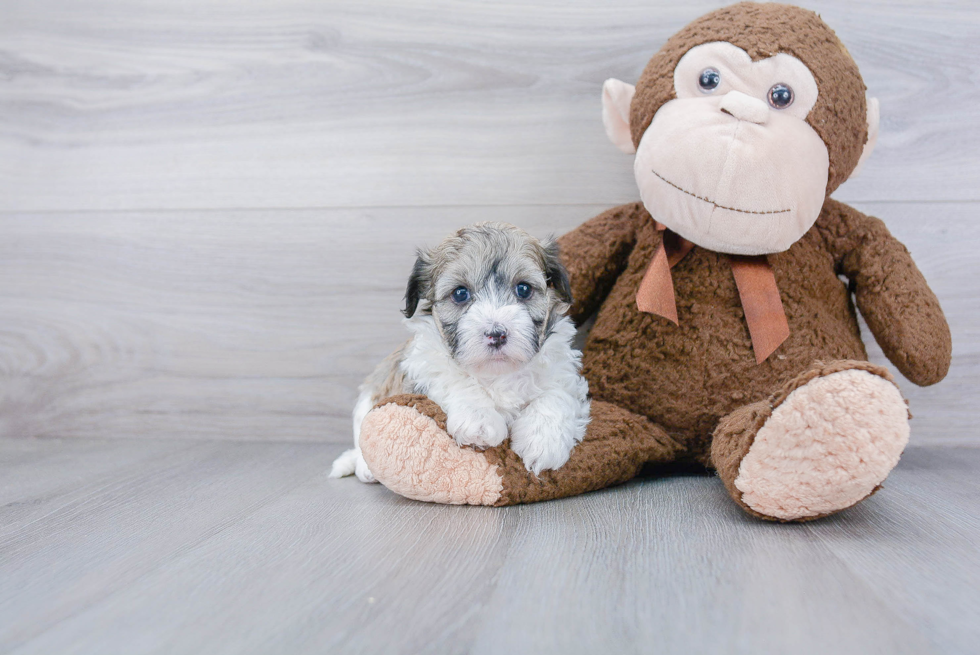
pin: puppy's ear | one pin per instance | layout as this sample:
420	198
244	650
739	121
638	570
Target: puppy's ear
555	272
418	283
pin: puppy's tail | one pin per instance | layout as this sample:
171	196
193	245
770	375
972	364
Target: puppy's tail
352	462
344	465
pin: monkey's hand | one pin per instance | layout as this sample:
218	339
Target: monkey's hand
901	310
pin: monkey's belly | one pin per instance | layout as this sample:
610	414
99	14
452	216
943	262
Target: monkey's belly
686	377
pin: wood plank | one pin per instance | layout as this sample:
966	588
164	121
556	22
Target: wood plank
301	103
927	513
255	325
260	324
679	569
40	476
111	530
337	566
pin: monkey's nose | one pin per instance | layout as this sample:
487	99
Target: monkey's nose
745	107
496	337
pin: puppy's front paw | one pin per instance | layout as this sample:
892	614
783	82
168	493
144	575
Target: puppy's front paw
544	444
483	428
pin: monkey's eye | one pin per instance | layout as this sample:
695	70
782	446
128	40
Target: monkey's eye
523	290
460	295
780	96
709	80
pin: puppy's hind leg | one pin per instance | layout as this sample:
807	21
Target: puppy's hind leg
386	380
351	461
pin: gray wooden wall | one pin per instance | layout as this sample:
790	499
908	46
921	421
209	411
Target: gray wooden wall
208	209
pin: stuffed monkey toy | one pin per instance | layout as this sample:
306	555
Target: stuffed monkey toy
725	335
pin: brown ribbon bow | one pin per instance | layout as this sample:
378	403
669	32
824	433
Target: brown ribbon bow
756	288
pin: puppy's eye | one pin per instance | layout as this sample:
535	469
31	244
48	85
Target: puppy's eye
523	290
709	80
460	295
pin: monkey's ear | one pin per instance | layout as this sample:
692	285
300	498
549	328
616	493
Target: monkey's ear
418	283
555	272
616	99
874	117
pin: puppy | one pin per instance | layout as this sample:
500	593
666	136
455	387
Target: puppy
491	345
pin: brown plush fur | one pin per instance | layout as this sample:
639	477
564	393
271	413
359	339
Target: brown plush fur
422	404
686	377
736	432
763	30
617	445
693	392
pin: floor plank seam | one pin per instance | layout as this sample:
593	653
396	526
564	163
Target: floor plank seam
383	207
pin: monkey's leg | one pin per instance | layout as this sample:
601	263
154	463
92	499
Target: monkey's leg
405	444
822	443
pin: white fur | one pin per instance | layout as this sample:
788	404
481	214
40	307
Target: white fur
484	315
351	460
498	360
544	402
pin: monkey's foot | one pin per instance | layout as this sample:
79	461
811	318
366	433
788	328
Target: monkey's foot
406	446
823	443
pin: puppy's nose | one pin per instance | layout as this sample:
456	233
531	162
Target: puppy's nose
496	337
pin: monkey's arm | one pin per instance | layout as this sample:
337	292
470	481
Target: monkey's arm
595	253
902	311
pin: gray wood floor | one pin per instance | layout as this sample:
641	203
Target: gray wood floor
207	214
174	546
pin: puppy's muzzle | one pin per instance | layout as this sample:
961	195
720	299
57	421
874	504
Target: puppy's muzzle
496	337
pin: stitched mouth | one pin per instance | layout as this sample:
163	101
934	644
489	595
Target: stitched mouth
712	202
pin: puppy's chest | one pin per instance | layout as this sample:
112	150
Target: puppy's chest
512	393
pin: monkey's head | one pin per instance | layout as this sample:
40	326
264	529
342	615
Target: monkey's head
742	125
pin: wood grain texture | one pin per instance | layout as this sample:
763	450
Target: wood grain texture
261	324
207	216
81	542
254	325
124	313
302	103
249	548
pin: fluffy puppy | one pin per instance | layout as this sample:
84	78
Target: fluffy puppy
491	345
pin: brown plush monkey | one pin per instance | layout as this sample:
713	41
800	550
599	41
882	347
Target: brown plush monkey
724	336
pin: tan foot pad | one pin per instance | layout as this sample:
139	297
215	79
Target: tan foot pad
411	455
828	445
